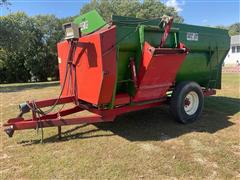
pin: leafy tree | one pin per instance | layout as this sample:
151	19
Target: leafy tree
234	29
17	38
28	47
45	62
146	9
153	9
3	68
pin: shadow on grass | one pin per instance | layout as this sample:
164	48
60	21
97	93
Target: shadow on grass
67	135
156	124
20	87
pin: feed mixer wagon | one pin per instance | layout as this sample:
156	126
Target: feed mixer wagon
126	65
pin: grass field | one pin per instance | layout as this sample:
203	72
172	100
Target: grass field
147	144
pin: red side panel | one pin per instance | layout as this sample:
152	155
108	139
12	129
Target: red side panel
95	58
121	99
108	46
157	71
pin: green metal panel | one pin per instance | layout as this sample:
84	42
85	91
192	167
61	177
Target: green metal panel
208	48
207	53
131	35
90	22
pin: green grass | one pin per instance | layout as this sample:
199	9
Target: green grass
22	86
147	144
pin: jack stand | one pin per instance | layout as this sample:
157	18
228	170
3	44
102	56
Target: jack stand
59	132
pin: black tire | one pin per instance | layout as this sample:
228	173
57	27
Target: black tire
180	102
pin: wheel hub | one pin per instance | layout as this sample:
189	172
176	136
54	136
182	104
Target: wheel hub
186	102
191	103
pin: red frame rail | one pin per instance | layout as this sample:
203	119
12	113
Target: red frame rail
98	115
58	119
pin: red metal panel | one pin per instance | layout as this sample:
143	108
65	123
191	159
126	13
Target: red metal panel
157	72
109	66
167	29
95	59
209	92
50	102
121	99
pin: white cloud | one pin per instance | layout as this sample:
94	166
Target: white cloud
175	4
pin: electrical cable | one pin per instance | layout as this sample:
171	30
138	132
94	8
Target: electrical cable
38	111
68	66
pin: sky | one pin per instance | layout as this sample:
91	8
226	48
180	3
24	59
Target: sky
198	12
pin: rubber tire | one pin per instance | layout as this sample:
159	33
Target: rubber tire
177	102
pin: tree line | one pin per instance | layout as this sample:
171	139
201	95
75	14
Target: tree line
28	49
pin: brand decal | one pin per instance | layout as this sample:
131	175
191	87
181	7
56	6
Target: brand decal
191	36
83	25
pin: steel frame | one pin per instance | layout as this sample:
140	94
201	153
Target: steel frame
98	115
58	119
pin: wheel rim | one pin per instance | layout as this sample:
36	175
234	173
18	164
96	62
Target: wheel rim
191	103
